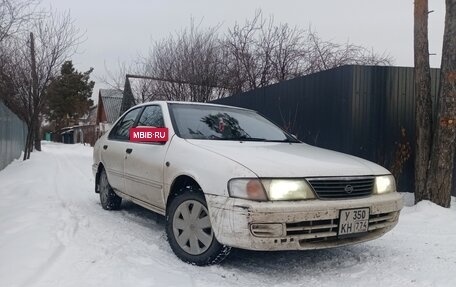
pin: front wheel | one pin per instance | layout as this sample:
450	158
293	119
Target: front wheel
190	233
109	200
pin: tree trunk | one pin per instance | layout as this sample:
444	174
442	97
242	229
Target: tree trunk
27	143
444	143
37	134
36	99
423	101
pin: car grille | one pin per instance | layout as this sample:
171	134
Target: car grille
347	187
326	230
313	229
382	220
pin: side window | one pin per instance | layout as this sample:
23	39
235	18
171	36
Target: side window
151	117
121	130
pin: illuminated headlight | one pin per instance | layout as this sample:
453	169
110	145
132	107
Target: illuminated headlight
270	189
287	189
384	184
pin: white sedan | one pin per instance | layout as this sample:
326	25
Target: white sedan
227	177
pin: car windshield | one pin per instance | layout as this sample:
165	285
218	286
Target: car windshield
224	123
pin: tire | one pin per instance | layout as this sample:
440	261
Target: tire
191	236
109	200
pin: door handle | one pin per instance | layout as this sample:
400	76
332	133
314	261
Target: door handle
105	147
128	150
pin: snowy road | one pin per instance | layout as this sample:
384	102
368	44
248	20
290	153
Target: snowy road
55	233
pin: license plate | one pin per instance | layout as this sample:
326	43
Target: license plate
353	221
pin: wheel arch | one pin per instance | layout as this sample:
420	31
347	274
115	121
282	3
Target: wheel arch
177	186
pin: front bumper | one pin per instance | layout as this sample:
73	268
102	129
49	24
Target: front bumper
296	225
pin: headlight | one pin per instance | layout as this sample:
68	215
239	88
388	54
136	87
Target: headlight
384	184
247	188
287	189
275	189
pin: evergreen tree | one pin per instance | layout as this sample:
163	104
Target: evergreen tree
68	96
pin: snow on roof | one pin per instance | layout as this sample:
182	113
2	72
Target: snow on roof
112	101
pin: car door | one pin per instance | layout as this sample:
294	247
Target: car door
144	165
114	149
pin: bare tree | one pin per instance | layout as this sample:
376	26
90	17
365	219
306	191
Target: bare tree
14	14
6	86
191	61
287	57
115	77
261	53
441	163
35	59
323	55
185	66
143	88
423	100
198	64
248	63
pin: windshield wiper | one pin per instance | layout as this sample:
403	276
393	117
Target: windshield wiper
252	139
292	140
243	139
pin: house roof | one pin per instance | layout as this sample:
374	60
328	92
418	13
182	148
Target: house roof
112	101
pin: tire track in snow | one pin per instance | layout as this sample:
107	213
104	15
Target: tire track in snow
63	234
56	253
75	204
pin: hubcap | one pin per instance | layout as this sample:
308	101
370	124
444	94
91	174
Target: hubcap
192	227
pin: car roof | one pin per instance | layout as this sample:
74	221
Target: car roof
192	103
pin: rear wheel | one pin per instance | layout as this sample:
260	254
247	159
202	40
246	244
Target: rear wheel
109	200
189	230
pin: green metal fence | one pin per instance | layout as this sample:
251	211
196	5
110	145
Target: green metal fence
13	133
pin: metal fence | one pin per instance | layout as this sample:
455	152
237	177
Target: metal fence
13	133
367	111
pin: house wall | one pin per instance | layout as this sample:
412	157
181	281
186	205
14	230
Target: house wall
87	134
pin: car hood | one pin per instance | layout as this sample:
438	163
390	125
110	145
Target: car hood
268	159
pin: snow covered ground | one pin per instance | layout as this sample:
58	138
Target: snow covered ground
55	233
